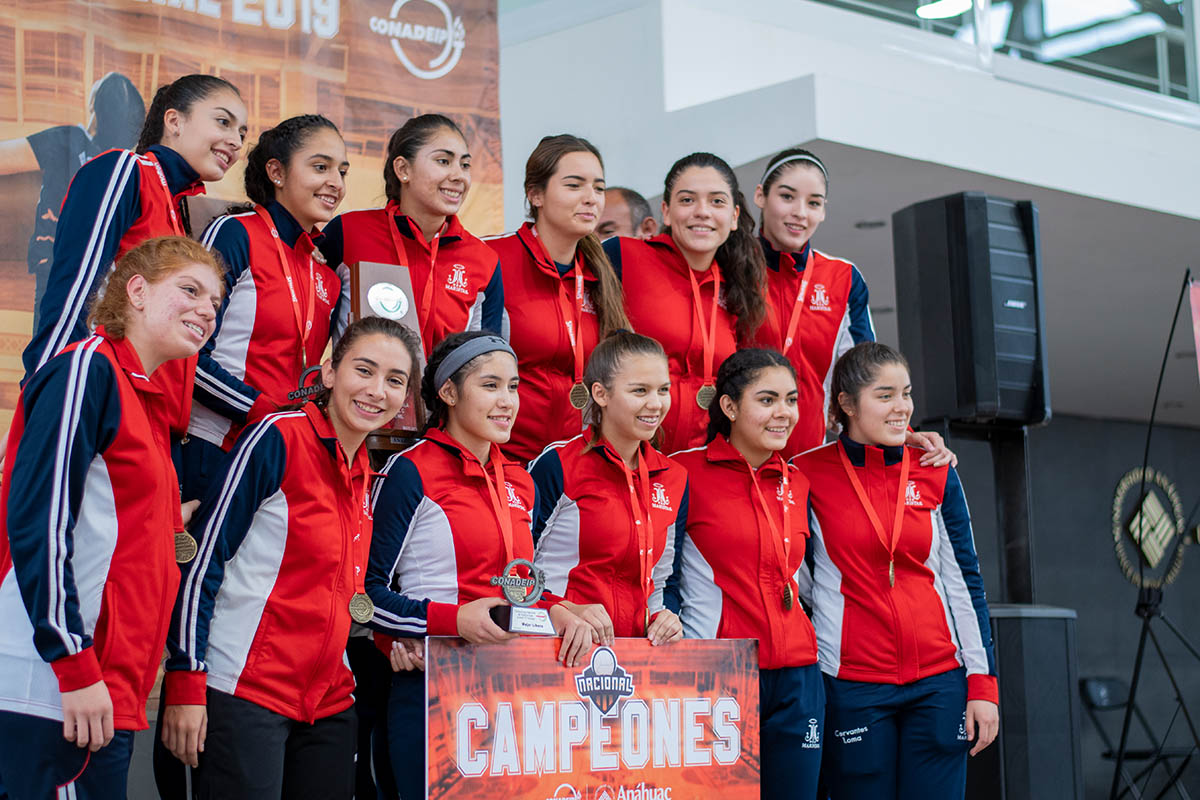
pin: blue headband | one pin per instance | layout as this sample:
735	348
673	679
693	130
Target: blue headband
466	351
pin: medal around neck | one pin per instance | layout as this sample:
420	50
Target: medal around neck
579	396
705	395
520	616
185	547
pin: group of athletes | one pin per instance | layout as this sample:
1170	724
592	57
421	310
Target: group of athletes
645	418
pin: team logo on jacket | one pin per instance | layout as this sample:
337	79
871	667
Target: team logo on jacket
812	737
604	681
434	38
586	306
659	498
820	299
912	495
514	500
457	282
779	494
322	292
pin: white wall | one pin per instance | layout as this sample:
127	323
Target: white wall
651	80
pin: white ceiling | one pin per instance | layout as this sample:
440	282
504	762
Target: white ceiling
1111	276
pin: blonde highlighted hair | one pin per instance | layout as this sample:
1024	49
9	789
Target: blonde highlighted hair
154	259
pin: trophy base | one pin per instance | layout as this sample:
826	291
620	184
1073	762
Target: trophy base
528	621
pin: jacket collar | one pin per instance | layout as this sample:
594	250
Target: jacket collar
720	450
289	229
449	443
182	180
130	362
328	436
655	461
664	241
858	452
451	233
527	235
777	260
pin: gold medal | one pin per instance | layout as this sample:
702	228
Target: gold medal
579	395
789	598
705	395
361	608
185	547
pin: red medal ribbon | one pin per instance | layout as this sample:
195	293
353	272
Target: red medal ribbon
641	523
782	543
428	297
304	319
360	545
707	332
798	306
503	517
572	316
889	543
162	180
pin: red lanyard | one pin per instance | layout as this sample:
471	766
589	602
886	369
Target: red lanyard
360	545
798	306
707	332
503	517
572	316
304	319
641	523
428	298
166	190
782	543
889	543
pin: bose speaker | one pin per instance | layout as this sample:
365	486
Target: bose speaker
969	308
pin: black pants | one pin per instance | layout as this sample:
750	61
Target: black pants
256	754
372	682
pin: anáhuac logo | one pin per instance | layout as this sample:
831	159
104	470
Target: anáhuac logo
604	681
451	35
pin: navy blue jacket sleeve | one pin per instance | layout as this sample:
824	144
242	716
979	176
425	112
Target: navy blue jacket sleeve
396	497
331	243
71	413
672	597
957	520
612	249
547	473
252	473
216	388
862	329
492	314
102	203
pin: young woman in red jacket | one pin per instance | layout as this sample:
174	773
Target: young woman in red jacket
282	299
89	502
561	295
609	503
697	287
741	548
258	694
455	277
899	608
452	512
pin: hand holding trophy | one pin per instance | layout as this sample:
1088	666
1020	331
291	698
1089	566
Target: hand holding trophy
522	594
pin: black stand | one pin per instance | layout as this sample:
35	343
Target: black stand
1149	606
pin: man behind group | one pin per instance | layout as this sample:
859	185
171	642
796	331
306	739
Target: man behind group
626	213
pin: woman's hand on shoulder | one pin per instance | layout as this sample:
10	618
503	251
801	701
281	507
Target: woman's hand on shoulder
183	731
937	453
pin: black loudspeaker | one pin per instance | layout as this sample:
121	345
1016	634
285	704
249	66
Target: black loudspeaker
969	307
1037	755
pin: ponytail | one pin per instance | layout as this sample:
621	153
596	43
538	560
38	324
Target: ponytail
180	95
279	144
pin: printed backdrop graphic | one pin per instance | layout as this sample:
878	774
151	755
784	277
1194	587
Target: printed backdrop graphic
634	722
76	77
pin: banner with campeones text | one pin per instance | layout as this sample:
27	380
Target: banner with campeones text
633	722
76	78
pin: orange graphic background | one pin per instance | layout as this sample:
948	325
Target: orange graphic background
525	671
52	51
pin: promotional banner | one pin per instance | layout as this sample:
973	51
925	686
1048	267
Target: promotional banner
76	78
633	722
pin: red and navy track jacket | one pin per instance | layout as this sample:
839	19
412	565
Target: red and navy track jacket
437	543
935	618
534	324
264	608
90	505
730	573
468	292
252	361
658	300
834	318
586	534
